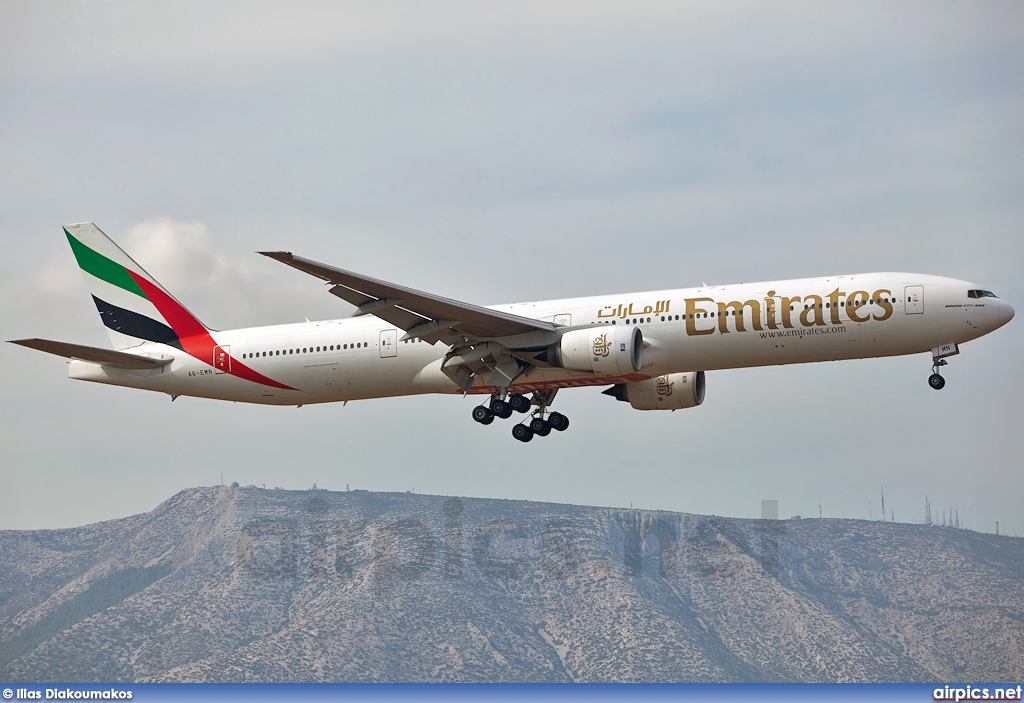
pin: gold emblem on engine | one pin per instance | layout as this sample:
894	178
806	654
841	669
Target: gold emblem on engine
601	345
665	385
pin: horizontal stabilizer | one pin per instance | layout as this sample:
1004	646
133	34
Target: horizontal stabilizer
104	357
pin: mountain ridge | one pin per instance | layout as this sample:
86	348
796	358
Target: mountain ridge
247	584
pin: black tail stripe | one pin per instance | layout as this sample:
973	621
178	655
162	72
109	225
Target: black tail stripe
135	325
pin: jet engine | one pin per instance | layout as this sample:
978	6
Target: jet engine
673	391
605	349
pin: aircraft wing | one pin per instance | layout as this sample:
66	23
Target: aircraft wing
423	315
104	357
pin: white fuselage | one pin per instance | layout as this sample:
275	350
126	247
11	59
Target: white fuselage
694	329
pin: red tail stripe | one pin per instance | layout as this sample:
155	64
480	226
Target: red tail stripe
195	339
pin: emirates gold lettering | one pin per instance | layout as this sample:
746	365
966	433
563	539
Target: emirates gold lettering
693	313
737	311
664	386
833	306
622	311
854	303
883	297
787	308
813	310
860	305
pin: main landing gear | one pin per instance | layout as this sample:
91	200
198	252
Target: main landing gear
538	424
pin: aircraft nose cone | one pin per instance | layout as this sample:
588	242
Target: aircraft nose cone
1005	312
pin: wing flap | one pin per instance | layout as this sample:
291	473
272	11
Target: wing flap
411	308
95	355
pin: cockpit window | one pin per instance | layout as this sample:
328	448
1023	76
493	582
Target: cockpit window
980	294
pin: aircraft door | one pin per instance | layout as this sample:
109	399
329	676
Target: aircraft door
914	299
321	379
222	359
773	313
388	343
563	319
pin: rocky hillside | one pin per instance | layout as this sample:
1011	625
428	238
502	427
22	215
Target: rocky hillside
244	584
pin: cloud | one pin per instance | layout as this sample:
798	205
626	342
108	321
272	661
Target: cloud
232	292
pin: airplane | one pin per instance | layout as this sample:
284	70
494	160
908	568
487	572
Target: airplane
651	349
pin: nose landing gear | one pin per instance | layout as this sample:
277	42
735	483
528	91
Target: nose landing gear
935	380
939	353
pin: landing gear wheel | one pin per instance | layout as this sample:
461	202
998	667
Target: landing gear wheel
501	408
936	381
483	415
540	427
520	403
522	433
558	421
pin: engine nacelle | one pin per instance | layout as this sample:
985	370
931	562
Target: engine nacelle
674	391
605	349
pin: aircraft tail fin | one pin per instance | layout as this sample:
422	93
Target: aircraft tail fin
133	306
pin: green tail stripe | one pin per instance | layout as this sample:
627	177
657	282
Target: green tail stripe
103	268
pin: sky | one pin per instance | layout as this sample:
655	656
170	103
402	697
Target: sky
500	152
